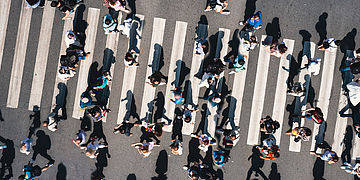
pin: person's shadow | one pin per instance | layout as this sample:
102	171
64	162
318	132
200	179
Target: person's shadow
204	115
348	42
250	8
131	177
274	173
132	6
158	59
181	72
161	166
102	160
60	100
194	152
273	29
130	106
160	110
7	158
61	174
36	122
319	169
321	27
43	144
1	116
348	137
256	164
293	70
291	109
79	24
133	34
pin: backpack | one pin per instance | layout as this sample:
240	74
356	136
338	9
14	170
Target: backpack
70	3
355	68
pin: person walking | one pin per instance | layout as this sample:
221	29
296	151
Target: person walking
32	4
130	59
157	79
314	114
300	133
328	155
65	6
268	125
254	23
109	24
144	148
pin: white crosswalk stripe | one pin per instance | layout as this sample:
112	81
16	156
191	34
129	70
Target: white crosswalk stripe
156	44
281	87
19	57
128	84
325	88
92	20
176	58
304	78
42	56
174	69
259	93
221	50
4	16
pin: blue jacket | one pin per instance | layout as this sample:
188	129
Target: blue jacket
109	27
255	23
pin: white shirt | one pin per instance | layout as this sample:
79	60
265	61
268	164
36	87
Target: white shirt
314	66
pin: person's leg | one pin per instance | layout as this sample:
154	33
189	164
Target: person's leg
47	156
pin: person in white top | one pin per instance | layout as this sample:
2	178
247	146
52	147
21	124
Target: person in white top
71	39
125	27
145	148
176	147
206	80
25	146
329	44
314	66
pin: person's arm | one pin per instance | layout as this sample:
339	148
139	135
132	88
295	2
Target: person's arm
134	144
118	126
265	158
67	13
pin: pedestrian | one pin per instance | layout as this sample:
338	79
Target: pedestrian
65	73
237	63
230	136
297	90
207	80
202	47
71	39
314	66
187	117
205	141
33	171
220	6
350	168
251	43
254	23
109	24
65	6
86	100
41	147
157	79
300	133
268	125
97	113
26	145
155	128
130	59
193	170
32	4
328	155
92	149
276	49
220	158
125	27
176	147
177	95
101	82
269	149
329	44
80	138
51	121
145	148
314	114
125	127
216	67
214	99
118	5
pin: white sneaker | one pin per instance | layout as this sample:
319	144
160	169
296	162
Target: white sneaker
241	23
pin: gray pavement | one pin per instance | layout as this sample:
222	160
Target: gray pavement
71	163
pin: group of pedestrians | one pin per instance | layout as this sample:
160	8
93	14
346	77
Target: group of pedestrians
96	110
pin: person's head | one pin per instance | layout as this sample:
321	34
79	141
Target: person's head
216	100
218	158
55	4
210	80
276	154
338	42
77	141
21	177
128	57
174	148
89	152
307	132
112	2
62	71
252	39
107	21
70	36
335	158
106	74
85	100
282	48
158	130
144	149
45	123
257	16
187	119
23	147
275	124
206	142
232	137
241	62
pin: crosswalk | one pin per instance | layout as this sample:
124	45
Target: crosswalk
173	67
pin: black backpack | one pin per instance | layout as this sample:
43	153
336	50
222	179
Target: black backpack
355	68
